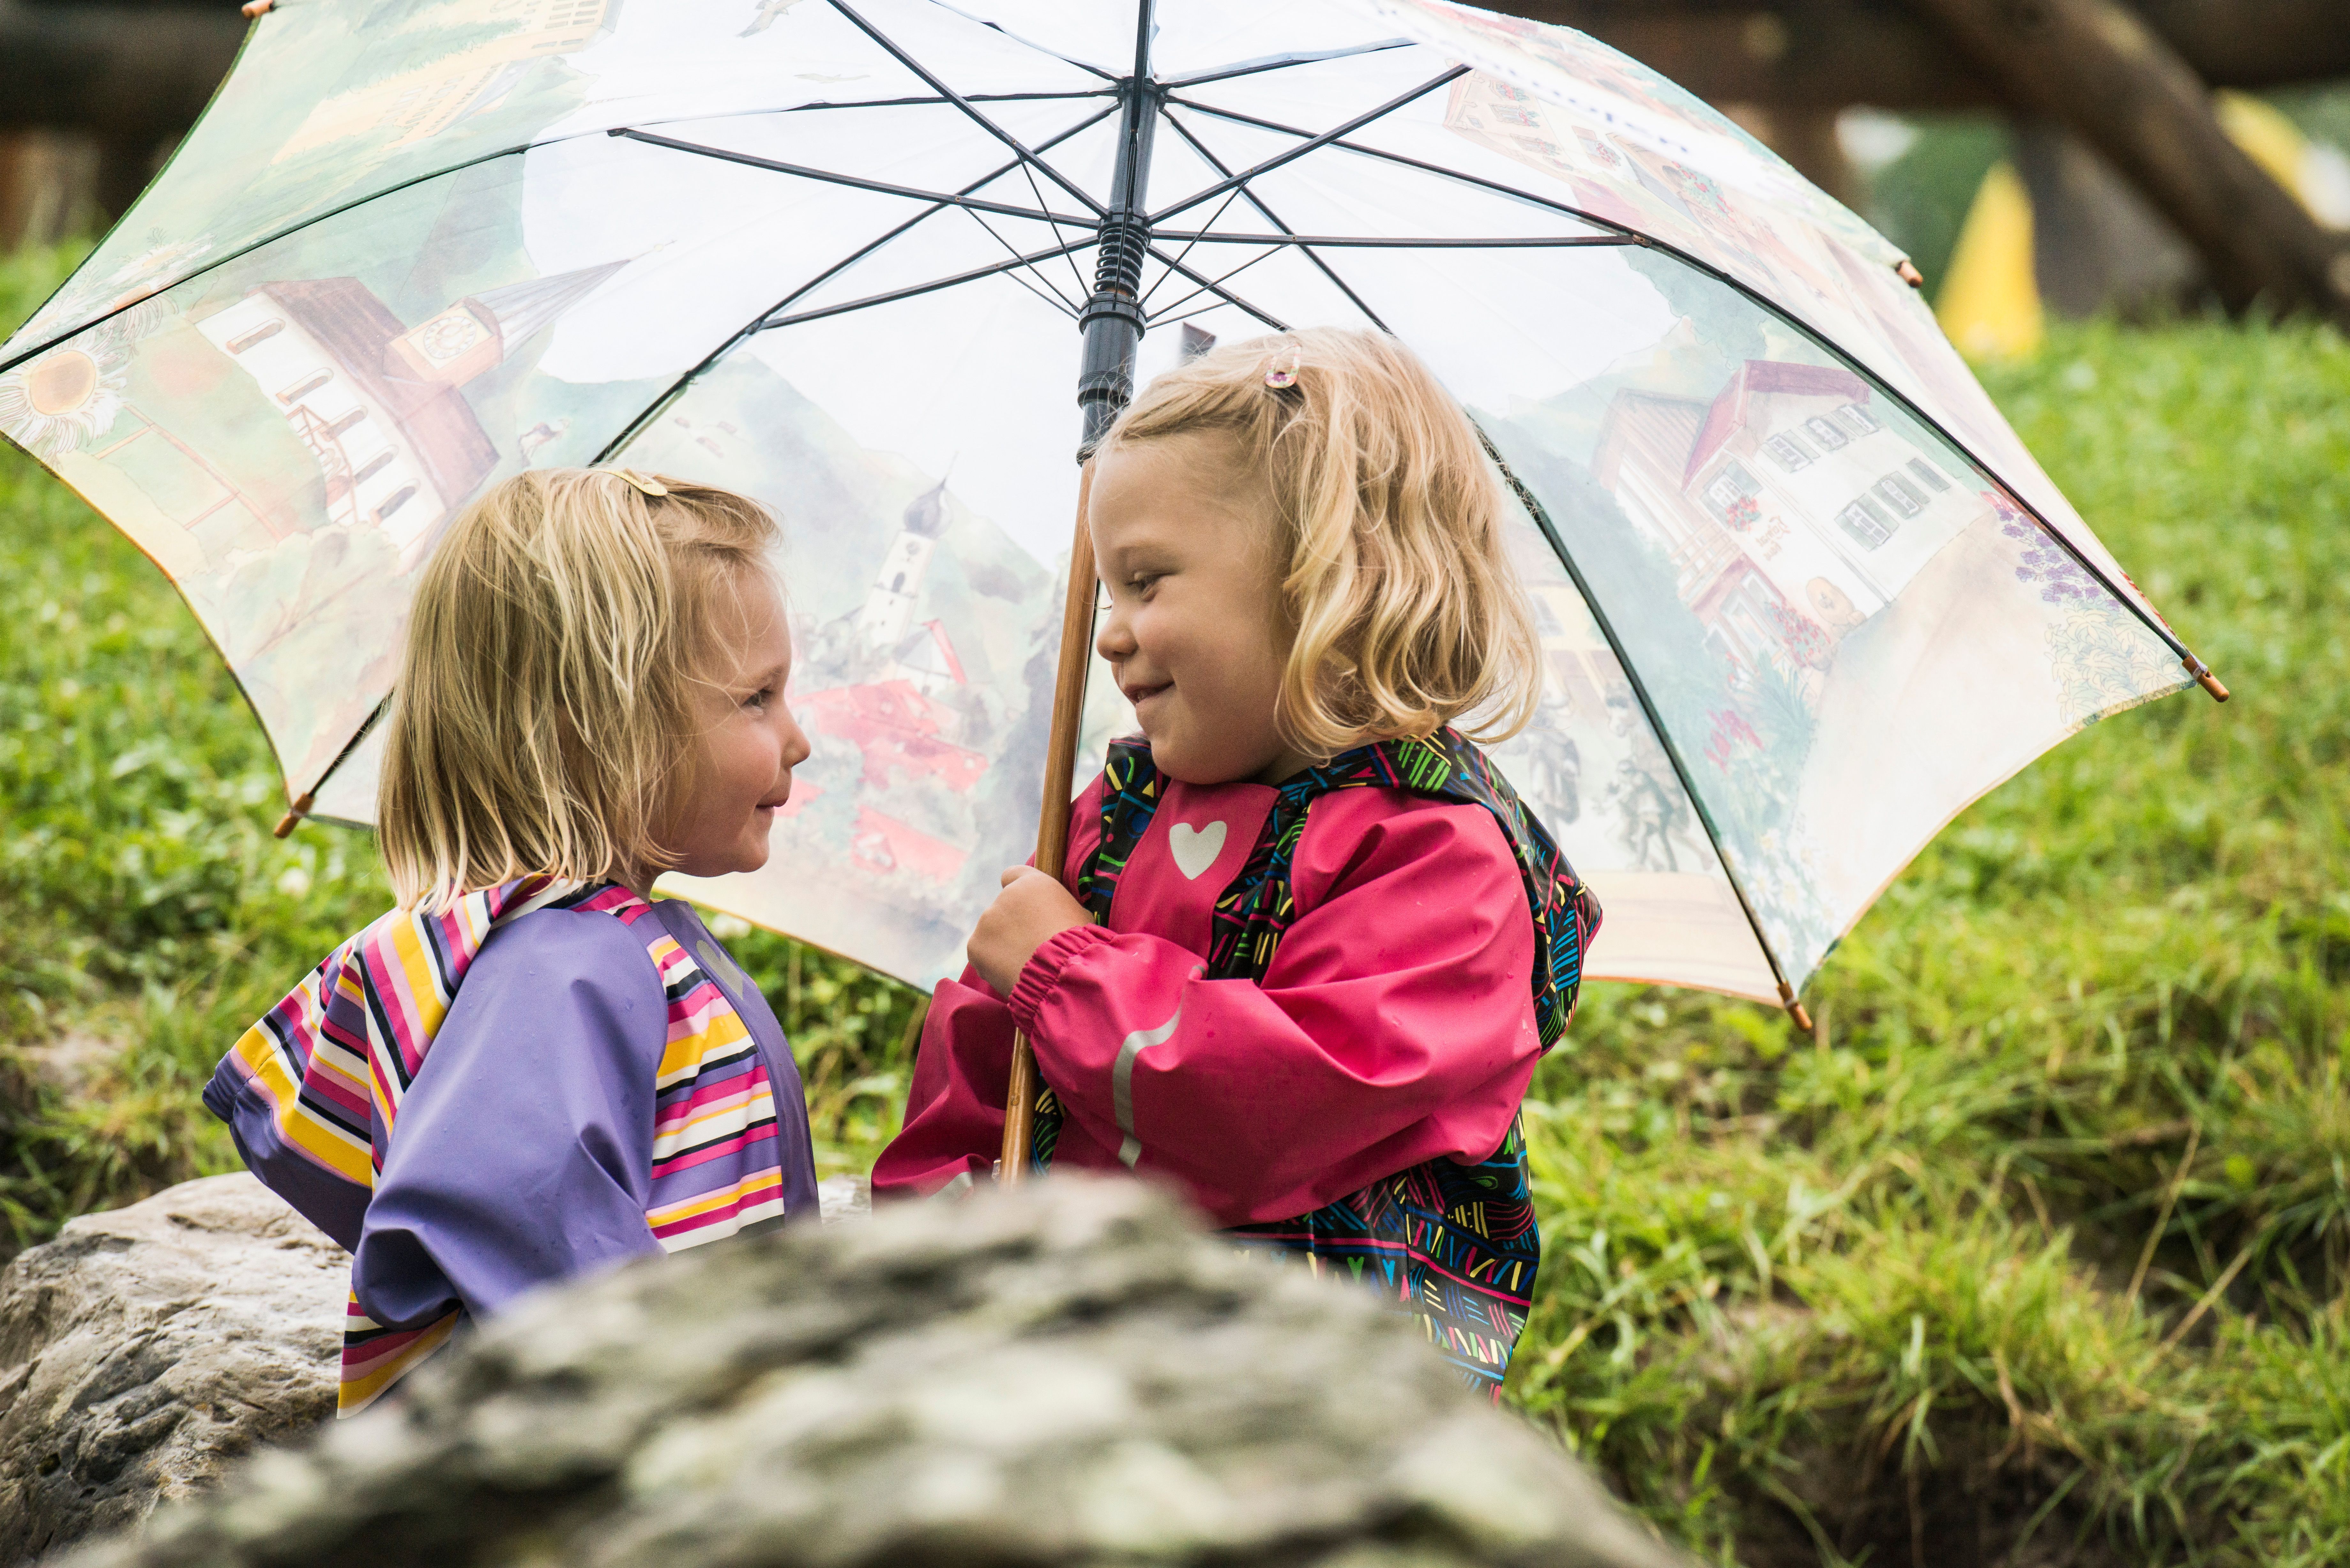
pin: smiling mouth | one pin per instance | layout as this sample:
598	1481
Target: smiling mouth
1138	694
772	804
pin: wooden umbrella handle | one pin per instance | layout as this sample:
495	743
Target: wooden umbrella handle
1052	825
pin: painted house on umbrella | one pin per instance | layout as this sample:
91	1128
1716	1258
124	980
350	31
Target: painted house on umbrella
379	404
1793	507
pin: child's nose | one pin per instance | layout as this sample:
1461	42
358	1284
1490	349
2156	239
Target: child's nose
795	743
1114	640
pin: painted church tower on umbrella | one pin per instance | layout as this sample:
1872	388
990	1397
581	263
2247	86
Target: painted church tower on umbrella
888	608
477	333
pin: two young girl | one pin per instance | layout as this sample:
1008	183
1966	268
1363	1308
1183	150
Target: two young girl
1314	947
1316	943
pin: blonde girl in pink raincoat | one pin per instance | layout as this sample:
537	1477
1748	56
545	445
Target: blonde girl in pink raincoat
1317	943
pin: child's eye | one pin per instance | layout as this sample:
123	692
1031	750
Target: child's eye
757	700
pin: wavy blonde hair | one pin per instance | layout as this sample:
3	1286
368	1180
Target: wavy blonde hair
544	718
1397	584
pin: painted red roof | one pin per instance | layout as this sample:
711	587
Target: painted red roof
1759	377
893	725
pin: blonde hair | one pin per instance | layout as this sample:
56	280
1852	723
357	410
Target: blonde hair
544	716
1397	582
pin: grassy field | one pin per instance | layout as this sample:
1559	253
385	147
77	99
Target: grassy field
2032	1251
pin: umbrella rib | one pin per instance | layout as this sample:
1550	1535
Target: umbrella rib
833	177
1217	289
962	103
1027	43
1278	159
1048	294
1271	217
1406	241
1205	286
668	395
1189	241
1424	167
1252	68
1540	516
374	716
911	290
1038	192
933	101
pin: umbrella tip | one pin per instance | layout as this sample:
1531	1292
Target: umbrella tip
1794	1008
301	806
2204	678
256	9
1907	271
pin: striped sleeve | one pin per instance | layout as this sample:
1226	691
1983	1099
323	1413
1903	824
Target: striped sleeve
716	1167
294	1091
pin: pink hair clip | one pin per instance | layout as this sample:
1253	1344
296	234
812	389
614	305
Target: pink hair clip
1284	373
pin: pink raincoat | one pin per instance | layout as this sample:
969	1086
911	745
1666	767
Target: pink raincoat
1393	1026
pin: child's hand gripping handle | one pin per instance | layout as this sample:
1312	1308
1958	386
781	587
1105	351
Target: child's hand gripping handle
1052	827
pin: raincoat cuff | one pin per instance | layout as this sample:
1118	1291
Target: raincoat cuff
1043	971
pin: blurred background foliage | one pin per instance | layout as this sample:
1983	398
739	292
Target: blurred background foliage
2031	1251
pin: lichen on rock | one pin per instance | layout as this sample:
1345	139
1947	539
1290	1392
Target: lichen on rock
1068	1374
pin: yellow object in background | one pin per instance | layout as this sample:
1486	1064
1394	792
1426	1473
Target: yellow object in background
1990	304
2314	171
1989	300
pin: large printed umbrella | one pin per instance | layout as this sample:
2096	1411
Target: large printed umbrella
1802	593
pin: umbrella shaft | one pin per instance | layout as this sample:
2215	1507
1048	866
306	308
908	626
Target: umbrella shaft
1112	321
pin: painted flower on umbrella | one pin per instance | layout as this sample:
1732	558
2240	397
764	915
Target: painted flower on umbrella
1743	513
61	401
1807	642
1729	729
2042	561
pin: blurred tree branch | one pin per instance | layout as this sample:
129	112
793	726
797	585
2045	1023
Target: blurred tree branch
1829	53
138	72
2097	69
2131	81
133	77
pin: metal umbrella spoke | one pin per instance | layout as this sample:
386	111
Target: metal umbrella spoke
1025	42
670	393
1402	242
1460	176
931	80
1042	287
1207	286
1253	68
1215	288
1038	191
1294	153
1270	216
855	181
910	291
933	103
1191	240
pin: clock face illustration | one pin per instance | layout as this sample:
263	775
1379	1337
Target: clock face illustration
447	336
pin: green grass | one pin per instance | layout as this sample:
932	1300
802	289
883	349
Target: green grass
1832	1298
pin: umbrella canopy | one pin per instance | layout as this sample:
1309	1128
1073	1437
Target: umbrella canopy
1802	593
